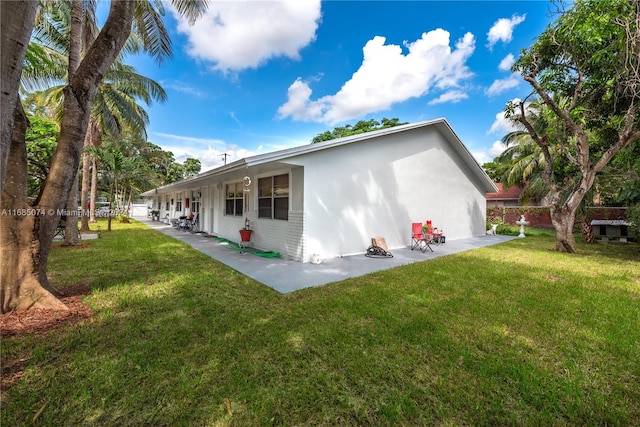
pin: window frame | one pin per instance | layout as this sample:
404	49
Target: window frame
237	201
270	199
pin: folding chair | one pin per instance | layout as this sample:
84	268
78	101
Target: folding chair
193	224
436	235
419	239
182	223
61	227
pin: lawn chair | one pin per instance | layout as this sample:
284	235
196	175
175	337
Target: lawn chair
182	223
378	248
192	224
437	235
420	239
62	226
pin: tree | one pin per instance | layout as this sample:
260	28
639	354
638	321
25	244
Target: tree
178	172
590	57
41	143
16	25
115	105
361	127
26	239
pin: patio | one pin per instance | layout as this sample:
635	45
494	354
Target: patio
287	276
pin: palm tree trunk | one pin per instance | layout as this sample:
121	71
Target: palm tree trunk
89	139
84	189
26	239
17	23
24	234
94	189
587	231
71	224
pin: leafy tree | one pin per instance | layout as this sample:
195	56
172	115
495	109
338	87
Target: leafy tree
40	139
178	172
24	282
361	127
619	183
585	68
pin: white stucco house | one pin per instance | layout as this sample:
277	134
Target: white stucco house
332	197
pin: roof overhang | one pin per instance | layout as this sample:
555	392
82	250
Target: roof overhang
281	156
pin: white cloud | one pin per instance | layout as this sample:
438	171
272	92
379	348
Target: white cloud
235	35
488	154
502	30
502	124
502	85
496	149
182	87
208	151
451	96
386	76
507	62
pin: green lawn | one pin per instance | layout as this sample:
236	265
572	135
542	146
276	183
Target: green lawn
513	334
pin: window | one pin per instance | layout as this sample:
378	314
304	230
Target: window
273	197
233	199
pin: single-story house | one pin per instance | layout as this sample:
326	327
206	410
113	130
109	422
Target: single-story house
328	199
510	197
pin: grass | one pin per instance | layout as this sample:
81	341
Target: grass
513	334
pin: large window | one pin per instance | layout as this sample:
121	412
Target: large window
273	197
234	199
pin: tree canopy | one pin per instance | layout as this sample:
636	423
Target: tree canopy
585	73
360	127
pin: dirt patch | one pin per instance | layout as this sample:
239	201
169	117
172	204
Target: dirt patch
21	324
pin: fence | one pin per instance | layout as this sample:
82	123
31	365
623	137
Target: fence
541	217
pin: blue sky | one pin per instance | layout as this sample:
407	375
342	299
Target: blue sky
256	76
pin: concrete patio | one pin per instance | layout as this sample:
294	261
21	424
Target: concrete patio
288	276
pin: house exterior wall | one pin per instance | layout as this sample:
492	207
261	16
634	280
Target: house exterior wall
285	237
379	187
343	193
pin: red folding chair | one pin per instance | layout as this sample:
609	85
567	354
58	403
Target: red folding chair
419	239
437	236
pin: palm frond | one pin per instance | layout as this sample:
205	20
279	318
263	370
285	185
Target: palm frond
189	9
150	29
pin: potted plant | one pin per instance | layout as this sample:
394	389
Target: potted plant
245	233
155	215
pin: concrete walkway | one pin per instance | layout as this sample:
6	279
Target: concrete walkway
288	276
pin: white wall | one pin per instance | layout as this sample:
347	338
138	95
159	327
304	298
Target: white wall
379	187
340	197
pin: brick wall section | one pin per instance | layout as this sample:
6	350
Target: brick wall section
541	218
286	237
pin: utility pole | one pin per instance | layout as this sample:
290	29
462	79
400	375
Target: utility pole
224	157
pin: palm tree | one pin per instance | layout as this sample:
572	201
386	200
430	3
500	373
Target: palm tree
23	279
115	105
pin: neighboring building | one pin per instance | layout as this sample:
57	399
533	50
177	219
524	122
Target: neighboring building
612	229
330	198
511	197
